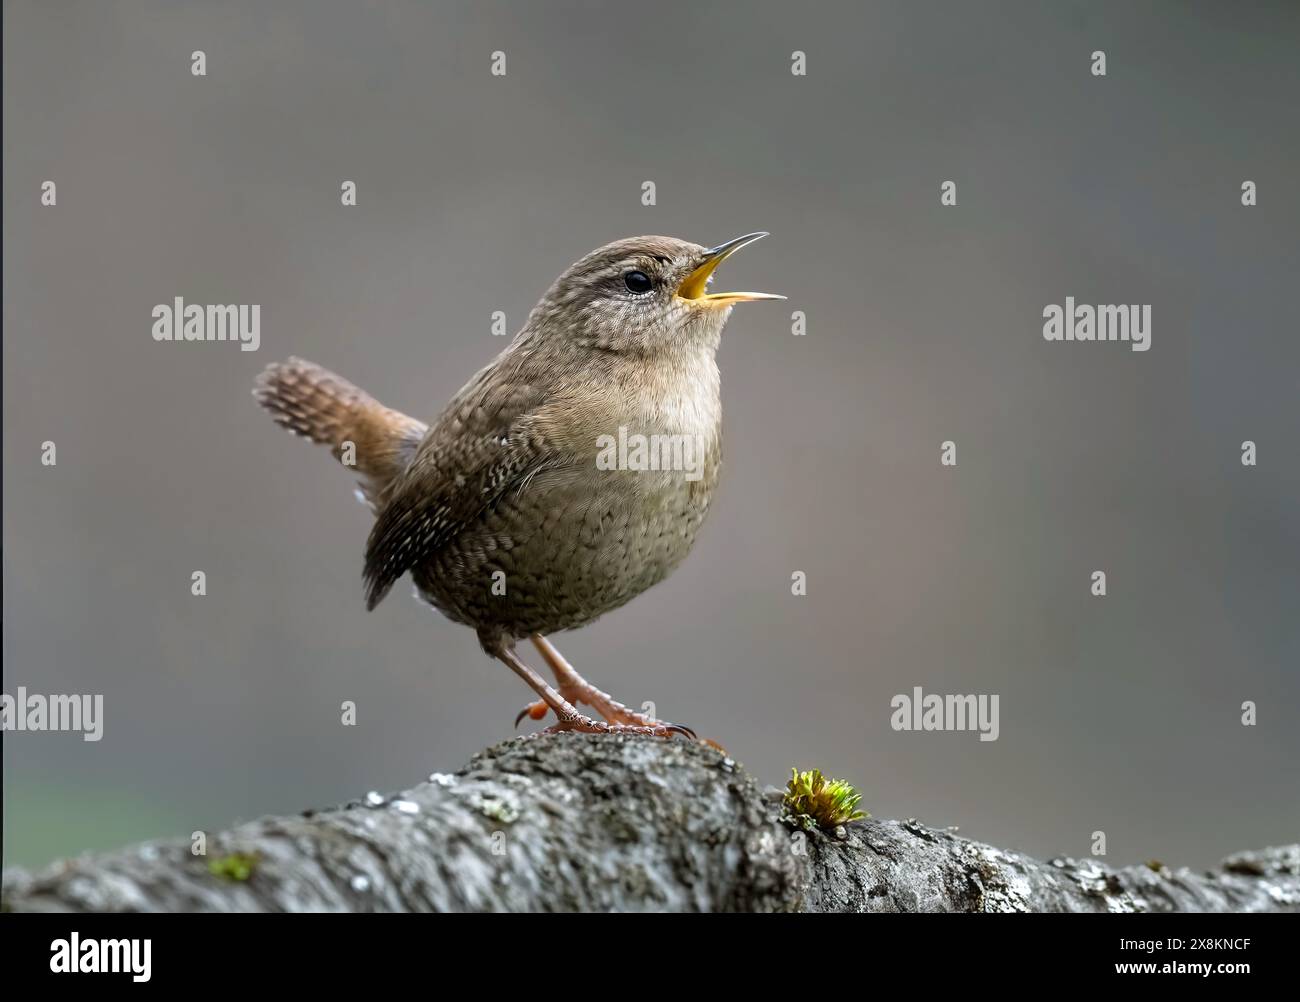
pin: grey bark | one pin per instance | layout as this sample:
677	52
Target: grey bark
575	822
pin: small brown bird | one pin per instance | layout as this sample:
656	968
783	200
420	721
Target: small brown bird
565	478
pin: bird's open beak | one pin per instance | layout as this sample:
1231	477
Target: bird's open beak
694	284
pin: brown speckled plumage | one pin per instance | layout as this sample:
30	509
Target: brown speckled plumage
504	488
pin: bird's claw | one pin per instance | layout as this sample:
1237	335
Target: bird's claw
586	725
534	711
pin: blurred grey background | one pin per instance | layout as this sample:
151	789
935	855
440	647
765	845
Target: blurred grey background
1119	714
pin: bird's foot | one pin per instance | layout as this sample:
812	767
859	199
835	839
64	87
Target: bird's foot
616	713
617	716
537	710
576	691
586	725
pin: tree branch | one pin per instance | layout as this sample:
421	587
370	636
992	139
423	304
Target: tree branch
575	822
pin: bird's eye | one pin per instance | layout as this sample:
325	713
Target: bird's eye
637	281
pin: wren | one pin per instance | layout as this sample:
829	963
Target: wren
507	510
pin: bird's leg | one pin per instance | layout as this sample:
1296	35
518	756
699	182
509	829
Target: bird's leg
568	681
577	689
570	719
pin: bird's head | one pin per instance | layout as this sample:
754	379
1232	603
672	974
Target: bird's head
642	296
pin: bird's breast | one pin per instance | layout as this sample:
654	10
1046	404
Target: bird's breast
668	433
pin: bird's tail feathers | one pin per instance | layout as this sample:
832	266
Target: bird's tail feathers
361	432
